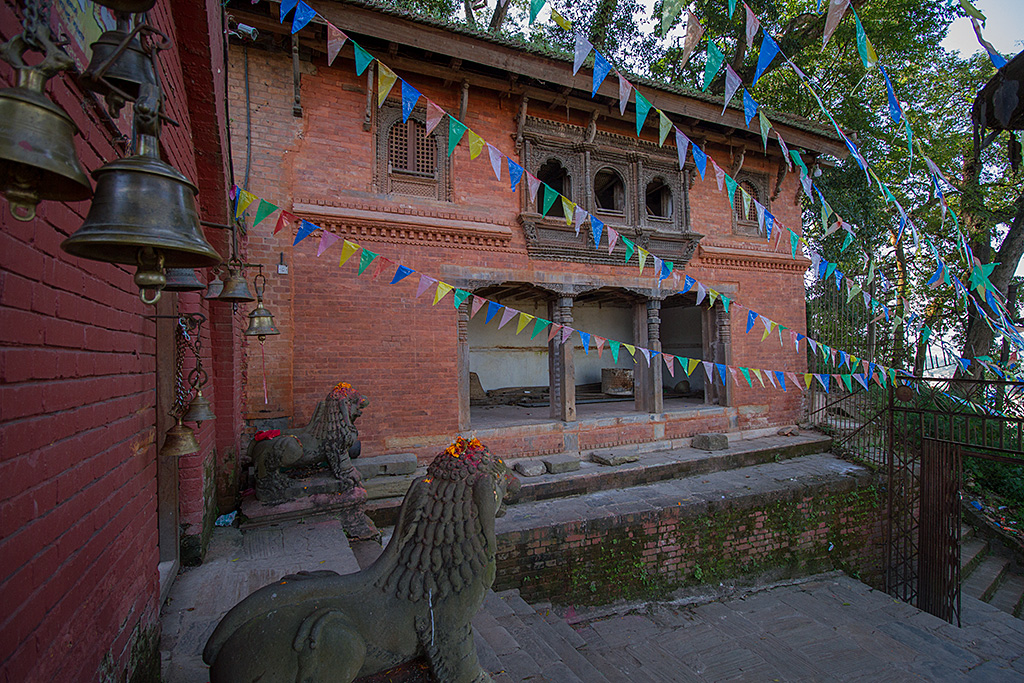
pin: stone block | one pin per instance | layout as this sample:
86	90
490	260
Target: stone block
394	464
789	431
530	468
612	459
557	464
710	442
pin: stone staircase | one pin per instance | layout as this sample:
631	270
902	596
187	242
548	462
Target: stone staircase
988	574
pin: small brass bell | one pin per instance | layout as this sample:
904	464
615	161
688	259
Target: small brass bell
236	289
180	440
199	410
144	211
215	287
37	150
119	65
182	280
261	322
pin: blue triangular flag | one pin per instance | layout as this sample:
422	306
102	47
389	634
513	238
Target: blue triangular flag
492	310
666	270
769	48
721	371
749	106
769	221
303	15
688	284
305	230
597	229
515	173
700	160
410	96
585	336
286	7
823	380
601	69
894	106
782	379
402	273
751	317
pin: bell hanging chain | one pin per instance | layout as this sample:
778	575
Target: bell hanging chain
181	343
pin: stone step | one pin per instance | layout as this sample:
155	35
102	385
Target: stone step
971	554
984	579
1010	594
966	532
672	462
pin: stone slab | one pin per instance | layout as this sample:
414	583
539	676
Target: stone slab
530	468
710	442
392	464
558	464
613	459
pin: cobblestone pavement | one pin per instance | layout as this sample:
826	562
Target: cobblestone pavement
827	628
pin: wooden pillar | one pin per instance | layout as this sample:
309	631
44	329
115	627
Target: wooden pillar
657	395
462	359
723	351
562	370
647	392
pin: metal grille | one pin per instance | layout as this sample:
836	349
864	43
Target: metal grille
416	155
939	574
398	147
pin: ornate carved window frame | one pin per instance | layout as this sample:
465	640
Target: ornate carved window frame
757	184
440	186
673	179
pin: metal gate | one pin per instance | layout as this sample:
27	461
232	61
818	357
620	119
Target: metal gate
932	423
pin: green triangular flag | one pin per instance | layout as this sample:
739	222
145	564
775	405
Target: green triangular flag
853	291
793	240
746	376
539	325
798	161
614	345
456	129
363	58
732	7
459	296
765	127
669	12
846	380
826	211
664	127
730	185
847	241
262	211
725	303
629	248
549	198
535	7
713	64
365	259
642	107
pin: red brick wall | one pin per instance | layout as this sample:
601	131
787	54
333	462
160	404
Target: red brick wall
78	468
400	352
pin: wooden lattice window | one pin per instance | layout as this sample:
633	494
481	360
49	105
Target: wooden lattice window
410	150
745	215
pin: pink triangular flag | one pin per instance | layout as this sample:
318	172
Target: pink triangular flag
478	303
792	376
434	116
701	293
555	329
670	363
613	238
709	369
382	263
495	156
752	25
836	9
771	378
578	217
735	379
732	84
566	333
425	282
534	184
599	343
327	238
719	174
507	314
335	41
647	354
625	88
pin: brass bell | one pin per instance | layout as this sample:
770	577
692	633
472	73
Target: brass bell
37	150
180	440
261	322
199	410
182	280
144	210
236	289
119	65
215	287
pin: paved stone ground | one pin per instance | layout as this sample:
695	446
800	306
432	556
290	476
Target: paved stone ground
829	628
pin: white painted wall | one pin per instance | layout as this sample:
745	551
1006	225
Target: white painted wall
681	336
501	358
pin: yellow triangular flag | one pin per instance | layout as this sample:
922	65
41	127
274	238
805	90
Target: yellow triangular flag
631	349
746	201
442	289
524	320
244	200
385	79
713	296
643	259
807	378
767	331
476	144
759	377
664	127
560	20
569	209
691	365
347	249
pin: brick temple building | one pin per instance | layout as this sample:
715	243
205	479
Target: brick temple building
321	147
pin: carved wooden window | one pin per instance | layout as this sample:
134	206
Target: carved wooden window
557	178
659	200
408	161
744	215
609	192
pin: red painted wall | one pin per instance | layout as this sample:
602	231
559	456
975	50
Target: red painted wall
78	461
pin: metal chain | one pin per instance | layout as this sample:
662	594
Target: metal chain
37	22
181	343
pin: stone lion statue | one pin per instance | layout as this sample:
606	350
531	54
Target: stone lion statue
417	599
330	437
